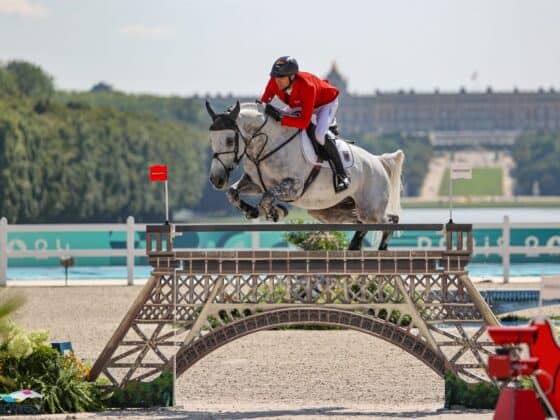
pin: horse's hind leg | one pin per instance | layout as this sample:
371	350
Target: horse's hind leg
356	242
384	244
343	212
374	212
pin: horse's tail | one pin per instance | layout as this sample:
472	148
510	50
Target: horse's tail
393	164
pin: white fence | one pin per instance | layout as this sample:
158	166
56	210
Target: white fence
129	252
504	249
531	246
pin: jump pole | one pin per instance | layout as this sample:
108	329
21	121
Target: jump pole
159	173
456	171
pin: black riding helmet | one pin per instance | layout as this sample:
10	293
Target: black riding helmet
284	66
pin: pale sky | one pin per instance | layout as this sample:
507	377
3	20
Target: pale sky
185	47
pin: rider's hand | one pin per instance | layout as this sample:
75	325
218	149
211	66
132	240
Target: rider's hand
272	112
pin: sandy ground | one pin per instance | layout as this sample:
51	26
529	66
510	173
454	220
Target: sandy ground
432	181
271	374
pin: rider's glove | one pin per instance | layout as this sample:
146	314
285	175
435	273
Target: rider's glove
273	112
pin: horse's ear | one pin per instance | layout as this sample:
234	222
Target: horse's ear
235	112
210	111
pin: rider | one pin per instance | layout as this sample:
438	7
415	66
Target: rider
312	95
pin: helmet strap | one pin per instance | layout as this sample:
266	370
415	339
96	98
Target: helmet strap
292	78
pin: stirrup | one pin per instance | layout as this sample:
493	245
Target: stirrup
341	183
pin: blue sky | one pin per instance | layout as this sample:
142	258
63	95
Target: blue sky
186	47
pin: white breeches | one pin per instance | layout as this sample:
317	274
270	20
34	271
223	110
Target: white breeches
325	116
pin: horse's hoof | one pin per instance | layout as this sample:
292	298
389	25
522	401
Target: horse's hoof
282	209
252	214
233	196
272	215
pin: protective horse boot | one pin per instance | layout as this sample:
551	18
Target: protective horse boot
341	180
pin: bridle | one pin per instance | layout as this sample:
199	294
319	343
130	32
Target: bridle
236	157
227	121
224	122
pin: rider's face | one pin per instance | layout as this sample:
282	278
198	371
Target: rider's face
282	82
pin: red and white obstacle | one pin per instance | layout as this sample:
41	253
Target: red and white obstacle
543	364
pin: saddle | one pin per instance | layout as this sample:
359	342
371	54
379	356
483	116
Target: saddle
316	154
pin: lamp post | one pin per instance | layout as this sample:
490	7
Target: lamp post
66	261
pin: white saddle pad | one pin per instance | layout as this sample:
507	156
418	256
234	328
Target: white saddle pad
344	151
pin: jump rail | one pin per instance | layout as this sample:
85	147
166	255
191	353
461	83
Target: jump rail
163	234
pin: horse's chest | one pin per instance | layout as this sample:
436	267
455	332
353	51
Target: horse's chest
273	170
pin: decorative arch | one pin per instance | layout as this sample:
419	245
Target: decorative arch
188	355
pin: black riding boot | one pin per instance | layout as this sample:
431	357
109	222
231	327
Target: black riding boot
341	180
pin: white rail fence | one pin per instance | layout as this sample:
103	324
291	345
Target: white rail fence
129	252
504	248
531	246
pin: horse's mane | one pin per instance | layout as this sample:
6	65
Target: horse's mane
256	107
254	111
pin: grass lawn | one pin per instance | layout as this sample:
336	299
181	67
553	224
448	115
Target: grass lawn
475	204
485	181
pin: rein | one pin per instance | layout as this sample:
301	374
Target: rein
223	122
258	159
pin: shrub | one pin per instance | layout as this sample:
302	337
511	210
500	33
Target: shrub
317	240
58	380
479	395
158	392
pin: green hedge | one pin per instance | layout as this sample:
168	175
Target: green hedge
477	395
157	393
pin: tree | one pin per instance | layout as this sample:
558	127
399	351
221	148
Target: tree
537	159
417	149
76	164
30	79
7	83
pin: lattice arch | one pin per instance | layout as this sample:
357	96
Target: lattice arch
377	327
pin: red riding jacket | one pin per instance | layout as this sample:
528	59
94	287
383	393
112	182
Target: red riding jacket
308	93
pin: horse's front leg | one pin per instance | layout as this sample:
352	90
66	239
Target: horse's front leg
286	190
244	186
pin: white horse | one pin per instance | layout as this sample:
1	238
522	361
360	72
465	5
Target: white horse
276	169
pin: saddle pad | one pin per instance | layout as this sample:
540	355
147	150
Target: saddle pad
344	151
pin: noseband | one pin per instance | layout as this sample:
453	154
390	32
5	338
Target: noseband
224	122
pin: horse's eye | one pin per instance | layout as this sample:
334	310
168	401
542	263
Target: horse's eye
229	141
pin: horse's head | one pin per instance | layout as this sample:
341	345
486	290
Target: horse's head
226	146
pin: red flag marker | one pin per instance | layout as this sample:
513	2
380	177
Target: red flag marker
158	173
